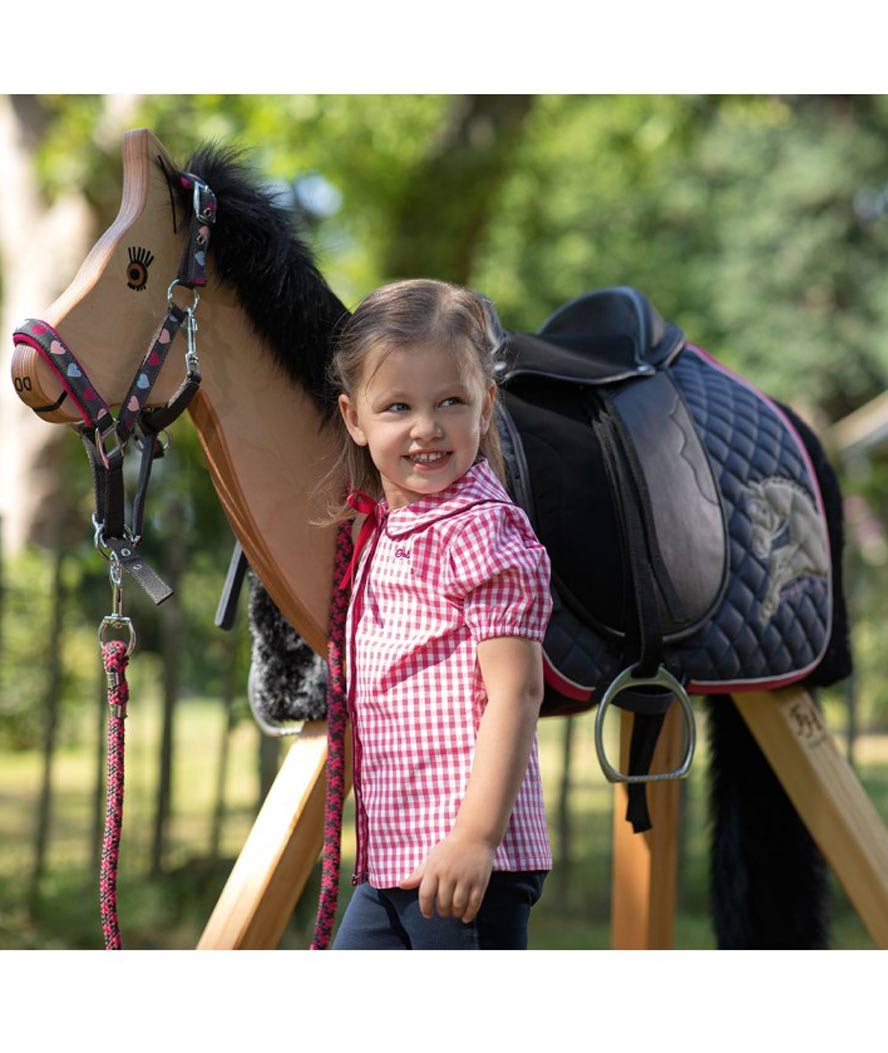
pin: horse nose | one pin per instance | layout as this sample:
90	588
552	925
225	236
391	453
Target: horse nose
37	386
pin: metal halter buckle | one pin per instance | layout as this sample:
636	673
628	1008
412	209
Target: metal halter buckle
625	680
201	201
102	439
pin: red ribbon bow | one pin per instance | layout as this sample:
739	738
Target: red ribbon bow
360	502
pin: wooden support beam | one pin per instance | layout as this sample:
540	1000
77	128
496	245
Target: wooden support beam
645	865
284	844
827	795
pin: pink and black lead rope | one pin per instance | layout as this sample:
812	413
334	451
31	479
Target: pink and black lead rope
114	659
336	719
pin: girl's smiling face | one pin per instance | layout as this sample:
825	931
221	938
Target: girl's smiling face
412	403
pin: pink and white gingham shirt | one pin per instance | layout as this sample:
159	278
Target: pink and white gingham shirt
438	576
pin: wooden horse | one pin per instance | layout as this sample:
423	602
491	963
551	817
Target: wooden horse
263	414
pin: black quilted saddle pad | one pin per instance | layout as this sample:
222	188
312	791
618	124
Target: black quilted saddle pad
770	621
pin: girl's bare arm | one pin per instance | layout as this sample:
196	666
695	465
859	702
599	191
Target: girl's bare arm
455	874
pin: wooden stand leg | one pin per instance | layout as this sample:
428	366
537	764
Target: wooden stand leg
288	835
827	795
646	865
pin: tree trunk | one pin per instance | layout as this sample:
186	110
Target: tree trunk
2	609
849	689
269	762
42	245
451	196
228	690
51	705
565	846
171	622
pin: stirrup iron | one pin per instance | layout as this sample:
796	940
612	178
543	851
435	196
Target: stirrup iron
625	680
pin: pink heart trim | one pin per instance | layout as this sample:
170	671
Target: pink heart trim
153	358
133	404
164	337
40	329
56	348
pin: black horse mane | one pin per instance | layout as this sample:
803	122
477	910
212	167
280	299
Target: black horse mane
257	250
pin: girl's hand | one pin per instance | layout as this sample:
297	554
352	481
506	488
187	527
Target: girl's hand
453	877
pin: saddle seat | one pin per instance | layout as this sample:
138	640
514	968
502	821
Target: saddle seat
599	338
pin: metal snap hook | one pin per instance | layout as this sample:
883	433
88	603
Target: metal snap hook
117	620
192	362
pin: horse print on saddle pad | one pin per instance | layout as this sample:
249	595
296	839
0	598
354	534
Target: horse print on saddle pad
785	534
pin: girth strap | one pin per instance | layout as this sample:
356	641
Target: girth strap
648	706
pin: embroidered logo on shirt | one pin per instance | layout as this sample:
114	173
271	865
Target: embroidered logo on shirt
401	553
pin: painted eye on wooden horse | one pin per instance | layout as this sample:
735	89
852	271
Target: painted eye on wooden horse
137	269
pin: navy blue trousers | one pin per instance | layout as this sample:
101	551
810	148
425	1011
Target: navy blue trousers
388	919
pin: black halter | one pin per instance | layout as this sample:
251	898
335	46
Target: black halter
104	438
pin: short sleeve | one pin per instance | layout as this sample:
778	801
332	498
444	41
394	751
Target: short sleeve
500	572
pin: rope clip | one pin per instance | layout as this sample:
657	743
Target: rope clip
117	620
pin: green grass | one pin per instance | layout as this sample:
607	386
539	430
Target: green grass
171	910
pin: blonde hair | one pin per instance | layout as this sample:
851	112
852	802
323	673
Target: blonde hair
400	316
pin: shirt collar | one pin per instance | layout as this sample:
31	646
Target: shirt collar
478	484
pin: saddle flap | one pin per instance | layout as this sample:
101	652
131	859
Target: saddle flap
599	338
689	543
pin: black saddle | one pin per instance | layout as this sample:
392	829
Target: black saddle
608	354
643	465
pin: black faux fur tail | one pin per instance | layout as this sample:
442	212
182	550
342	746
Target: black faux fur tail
768	880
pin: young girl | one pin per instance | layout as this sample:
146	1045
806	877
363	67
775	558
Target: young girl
449	605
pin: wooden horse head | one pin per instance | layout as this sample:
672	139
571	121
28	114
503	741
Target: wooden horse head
265	321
